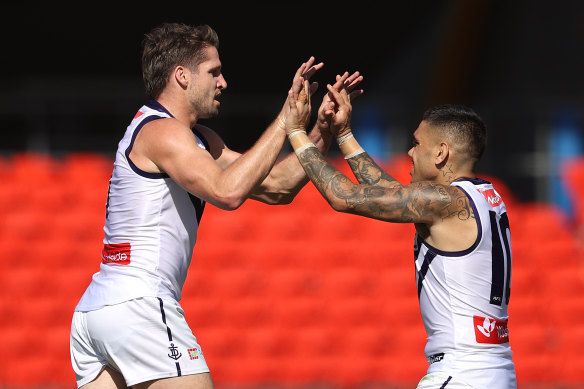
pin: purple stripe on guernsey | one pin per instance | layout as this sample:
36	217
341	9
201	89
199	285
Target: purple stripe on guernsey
461	252
433	251
155	105
424	269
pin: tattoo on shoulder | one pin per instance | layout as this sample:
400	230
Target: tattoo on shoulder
453	203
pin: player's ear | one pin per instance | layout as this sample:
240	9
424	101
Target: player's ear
182	76
442	153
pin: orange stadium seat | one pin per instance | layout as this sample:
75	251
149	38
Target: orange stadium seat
348	282
290	282
82	165
35	168
353	313
539	221
26	225
566	311
299	313
80	226
303	294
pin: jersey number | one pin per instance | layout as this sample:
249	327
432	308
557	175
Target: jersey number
501	266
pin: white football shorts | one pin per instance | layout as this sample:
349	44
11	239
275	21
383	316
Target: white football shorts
144	339
470	370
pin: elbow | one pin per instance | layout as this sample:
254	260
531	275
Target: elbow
228	201
338	205
231	204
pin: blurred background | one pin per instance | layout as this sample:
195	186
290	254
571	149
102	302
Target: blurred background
71	83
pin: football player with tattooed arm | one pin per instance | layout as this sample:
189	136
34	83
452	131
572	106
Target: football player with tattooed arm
462	245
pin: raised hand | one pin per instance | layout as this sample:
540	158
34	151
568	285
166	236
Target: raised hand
299	104
329	106
304	73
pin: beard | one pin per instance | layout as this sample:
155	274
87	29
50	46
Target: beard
204	109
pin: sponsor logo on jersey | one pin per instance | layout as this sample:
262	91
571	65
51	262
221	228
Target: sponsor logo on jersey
490	330
193	353
116	253
138	114
492	197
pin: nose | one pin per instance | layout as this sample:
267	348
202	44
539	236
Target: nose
221	83
410	151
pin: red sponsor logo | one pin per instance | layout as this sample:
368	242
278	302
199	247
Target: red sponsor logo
116	253
492	197
138	114
490	330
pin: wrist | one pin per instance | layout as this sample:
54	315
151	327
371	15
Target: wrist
344	137
291	134
349	145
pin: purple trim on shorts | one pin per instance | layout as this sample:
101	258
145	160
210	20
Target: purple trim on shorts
446	382
178	370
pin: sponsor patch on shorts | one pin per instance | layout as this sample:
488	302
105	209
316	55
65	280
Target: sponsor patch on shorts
193	353
490	330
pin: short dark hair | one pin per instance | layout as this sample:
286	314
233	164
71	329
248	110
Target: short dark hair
462	124
169	45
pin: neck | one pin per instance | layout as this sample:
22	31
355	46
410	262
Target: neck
450	173
178	109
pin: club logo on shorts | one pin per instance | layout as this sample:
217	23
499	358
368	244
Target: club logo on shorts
193	353
174	353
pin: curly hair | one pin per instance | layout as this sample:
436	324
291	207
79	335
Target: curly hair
169	45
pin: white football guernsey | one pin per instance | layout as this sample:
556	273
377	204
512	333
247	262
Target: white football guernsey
150	228
464	296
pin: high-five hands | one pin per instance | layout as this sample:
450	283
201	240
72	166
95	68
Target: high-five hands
303	74
299	104
337	108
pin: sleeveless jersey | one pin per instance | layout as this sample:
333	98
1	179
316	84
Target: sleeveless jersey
464	294
150	228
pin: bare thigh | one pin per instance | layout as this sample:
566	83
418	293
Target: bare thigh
192	381
108	378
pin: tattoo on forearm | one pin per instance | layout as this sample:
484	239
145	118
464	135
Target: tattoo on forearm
368	172
420	201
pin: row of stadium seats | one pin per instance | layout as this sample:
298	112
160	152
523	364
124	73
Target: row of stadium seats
305	296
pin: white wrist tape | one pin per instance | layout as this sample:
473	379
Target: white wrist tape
304	147
294	133
344	138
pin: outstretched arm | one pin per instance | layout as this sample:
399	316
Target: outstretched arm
219	176
421	202
378	195
365	169
287	177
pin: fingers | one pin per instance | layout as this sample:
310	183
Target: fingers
313	88
304	95
310	69
353	80
340	81
338	97
355	93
